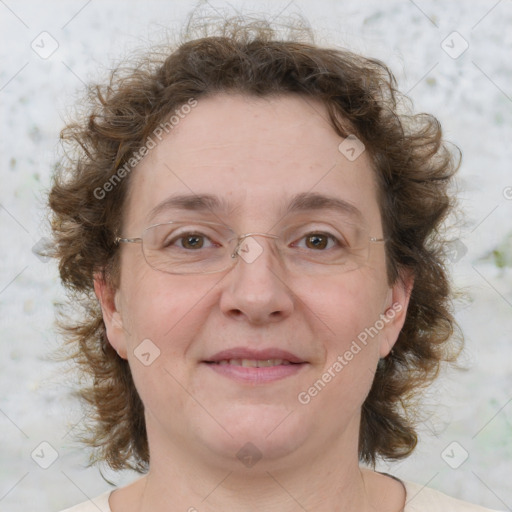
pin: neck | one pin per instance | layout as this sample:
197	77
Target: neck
323	477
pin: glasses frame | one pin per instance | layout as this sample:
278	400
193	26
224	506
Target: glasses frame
240	238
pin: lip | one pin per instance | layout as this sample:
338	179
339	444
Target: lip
246	353
251	375
263	375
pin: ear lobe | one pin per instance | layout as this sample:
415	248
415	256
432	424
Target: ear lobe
396	312
108	299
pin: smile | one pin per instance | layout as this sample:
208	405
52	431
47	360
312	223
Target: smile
253	363
255	371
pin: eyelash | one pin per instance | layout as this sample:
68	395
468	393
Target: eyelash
183	236
330	236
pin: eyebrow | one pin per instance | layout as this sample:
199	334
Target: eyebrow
303	202
308	201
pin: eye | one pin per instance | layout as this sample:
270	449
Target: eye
192	240
320	241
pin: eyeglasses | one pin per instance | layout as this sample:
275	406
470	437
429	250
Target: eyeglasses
190	247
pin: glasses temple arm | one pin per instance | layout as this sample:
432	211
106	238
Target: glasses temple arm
127	240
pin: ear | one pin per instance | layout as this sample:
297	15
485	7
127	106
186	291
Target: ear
395	311
108	299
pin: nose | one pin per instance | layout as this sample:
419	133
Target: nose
257	289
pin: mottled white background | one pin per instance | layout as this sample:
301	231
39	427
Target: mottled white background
471	95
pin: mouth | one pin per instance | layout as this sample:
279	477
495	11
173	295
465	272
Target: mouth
255	367
252	363
243	356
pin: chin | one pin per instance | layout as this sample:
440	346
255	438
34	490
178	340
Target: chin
263	432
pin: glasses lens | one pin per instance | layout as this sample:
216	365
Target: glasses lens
188	247
305	247
331	247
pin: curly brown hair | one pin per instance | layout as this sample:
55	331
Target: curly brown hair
412	163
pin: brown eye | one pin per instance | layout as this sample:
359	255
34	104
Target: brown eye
192	241
317	241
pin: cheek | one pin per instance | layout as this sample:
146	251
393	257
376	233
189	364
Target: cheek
164	315
346	373
347	304
159	306
348	309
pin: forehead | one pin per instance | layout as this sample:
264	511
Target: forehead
255	159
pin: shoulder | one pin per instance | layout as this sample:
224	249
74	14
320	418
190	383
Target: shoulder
99	504
423	499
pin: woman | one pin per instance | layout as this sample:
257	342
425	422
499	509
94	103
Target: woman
251	226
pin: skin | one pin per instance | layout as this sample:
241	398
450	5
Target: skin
255	153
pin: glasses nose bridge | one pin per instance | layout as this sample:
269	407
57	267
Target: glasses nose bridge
241	238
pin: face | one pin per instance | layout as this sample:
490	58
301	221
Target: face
254	155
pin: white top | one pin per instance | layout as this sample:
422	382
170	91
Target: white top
419	499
